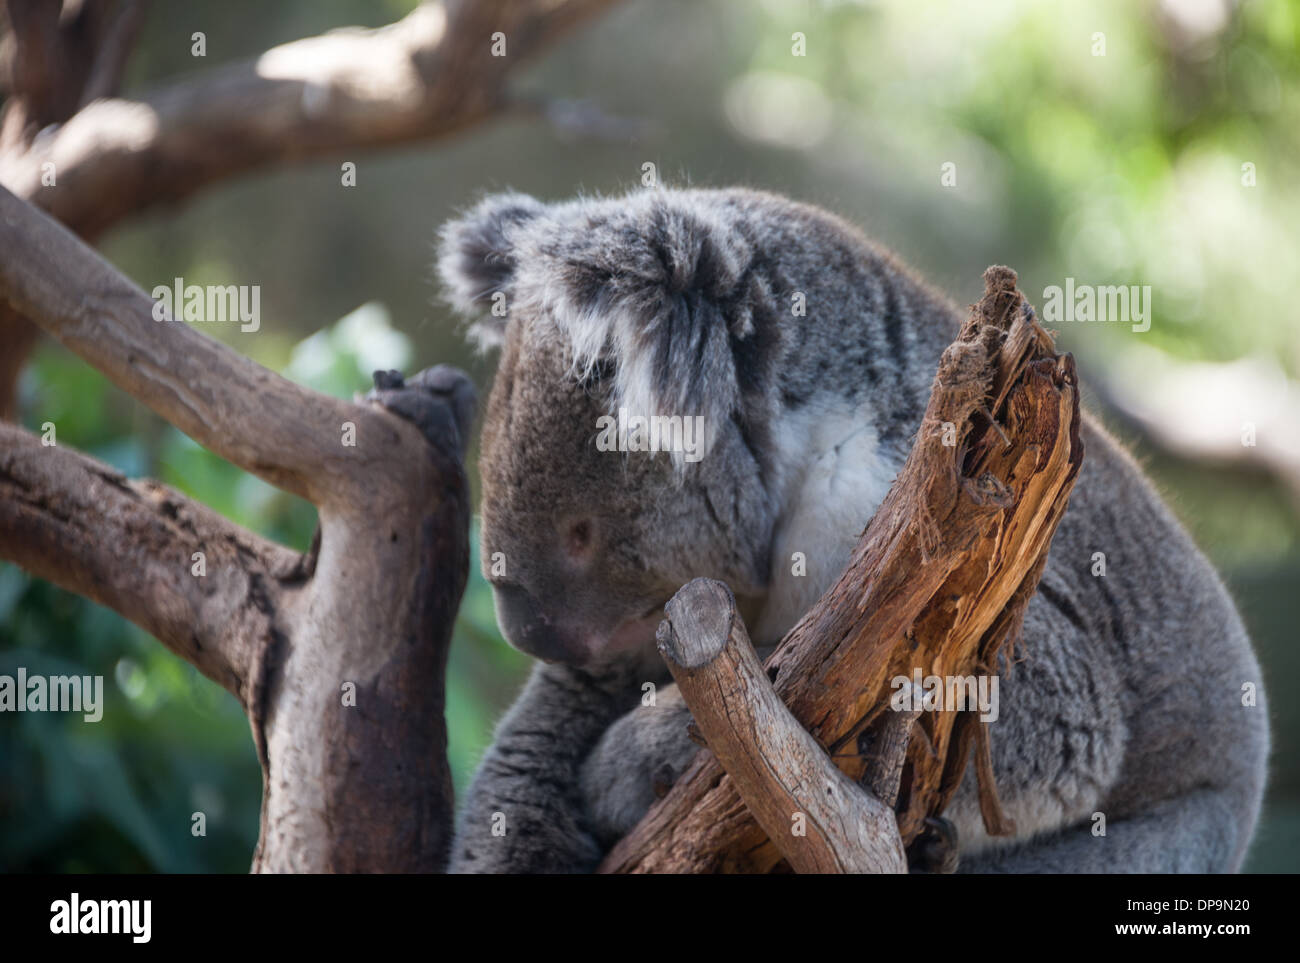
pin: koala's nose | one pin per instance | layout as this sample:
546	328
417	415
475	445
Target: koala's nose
526	626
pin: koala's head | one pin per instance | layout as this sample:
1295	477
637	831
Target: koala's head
656	304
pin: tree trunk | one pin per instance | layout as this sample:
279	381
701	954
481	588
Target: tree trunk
337	656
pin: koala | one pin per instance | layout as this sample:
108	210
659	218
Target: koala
809	353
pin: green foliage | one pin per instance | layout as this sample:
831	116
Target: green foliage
1109	137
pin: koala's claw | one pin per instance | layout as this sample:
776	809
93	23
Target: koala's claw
440	401
389	380
935	850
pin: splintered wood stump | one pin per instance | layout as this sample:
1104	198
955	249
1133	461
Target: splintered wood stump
938	582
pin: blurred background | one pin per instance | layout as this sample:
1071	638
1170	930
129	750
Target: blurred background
1147	142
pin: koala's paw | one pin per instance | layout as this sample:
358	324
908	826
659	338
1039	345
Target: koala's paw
440	401
935	850
635	763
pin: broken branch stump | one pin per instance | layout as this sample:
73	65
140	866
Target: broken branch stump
817	817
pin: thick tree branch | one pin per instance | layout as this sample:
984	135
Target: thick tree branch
430	74
130	545
215	395
820	820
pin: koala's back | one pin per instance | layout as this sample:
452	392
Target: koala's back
1131	690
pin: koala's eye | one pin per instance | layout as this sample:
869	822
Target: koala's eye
578	537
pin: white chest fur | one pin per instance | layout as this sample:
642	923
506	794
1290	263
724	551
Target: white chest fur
837	477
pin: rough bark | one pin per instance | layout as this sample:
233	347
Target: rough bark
346	787
938	582
129	545
817	817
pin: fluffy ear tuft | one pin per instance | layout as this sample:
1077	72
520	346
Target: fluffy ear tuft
669	292
476	257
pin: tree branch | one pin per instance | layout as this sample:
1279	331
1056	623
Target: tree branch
215	395
820	820
130	545
431	74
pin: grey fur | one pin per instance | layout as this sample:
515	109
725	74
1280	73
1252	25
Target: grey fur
680	302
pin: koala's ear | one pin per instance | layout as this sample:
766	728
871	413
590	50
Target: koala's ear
476	258
674	296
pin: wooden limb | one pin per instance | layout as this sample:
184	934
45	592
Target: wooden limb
819	819
937	584
351	695
883	748
130	545
431	74
215	395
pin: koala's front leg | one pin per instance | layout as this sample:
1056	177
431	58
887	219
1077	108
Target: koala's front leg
523	812
642	755
636	762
